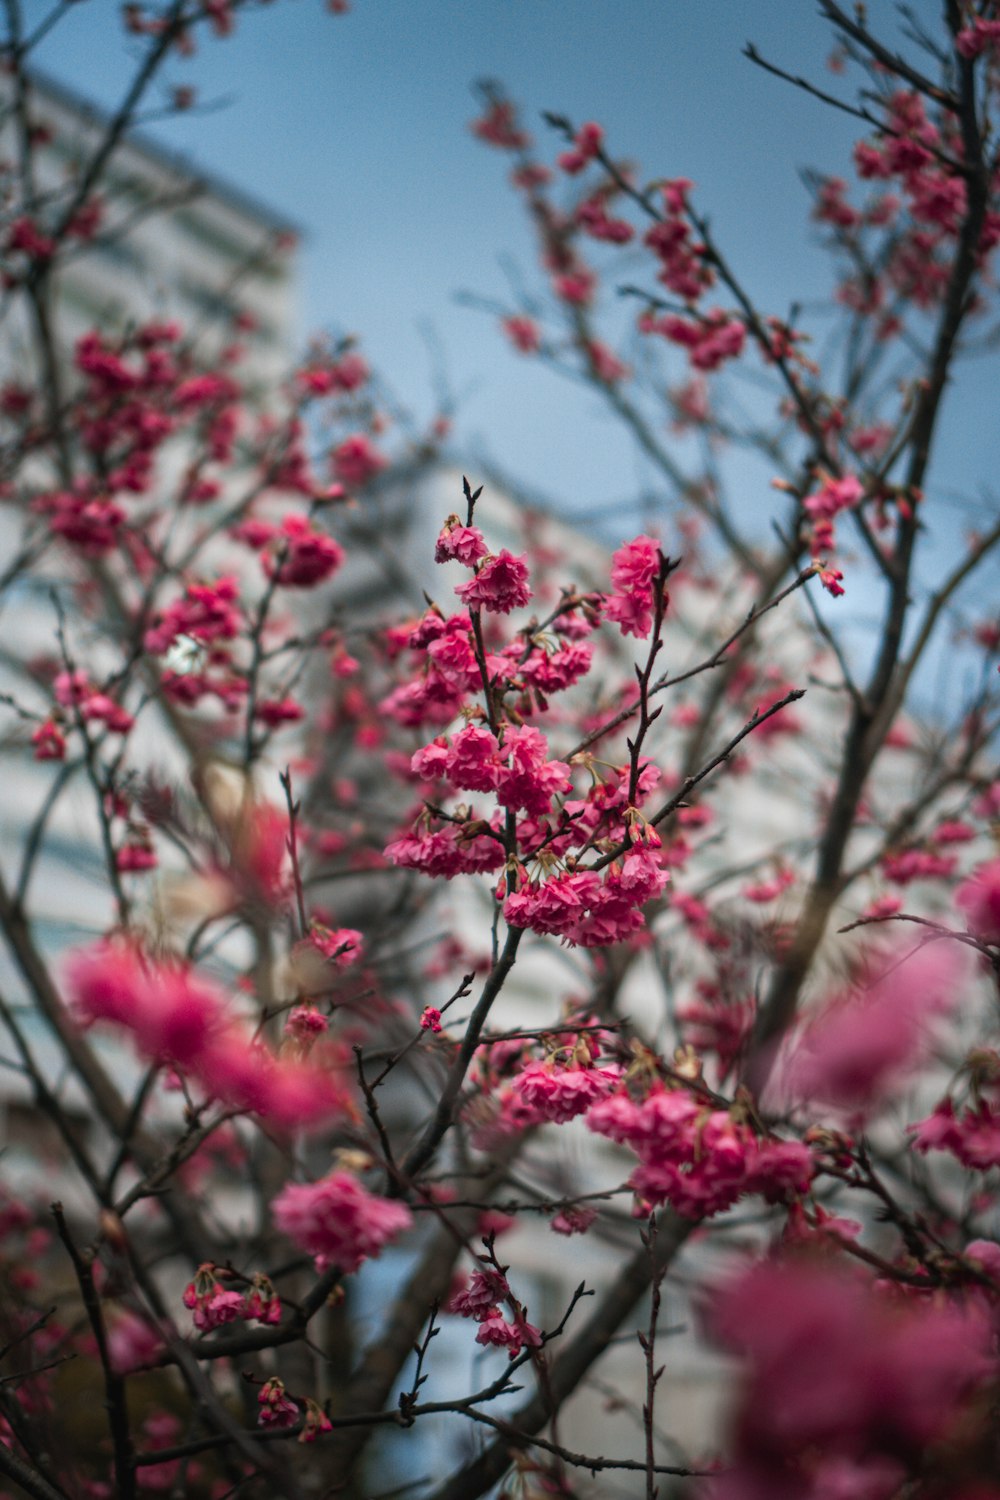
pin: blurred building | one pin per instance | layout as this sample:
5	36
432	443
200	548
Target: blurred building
171	241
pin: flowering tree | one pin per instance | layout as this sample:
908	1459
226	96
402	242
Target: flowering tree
762	879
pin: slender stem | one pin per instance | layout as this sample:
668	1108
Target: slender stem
115	1394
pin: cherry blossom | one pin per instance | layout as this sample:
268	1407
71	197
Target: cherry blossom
337	1221
500	585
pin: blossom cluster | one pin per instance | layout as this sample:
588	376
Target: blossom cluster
280	1410
337	1221
697	1158
848	1386
635	568
480	1299
545	886
212	1305
856	1049
177	1017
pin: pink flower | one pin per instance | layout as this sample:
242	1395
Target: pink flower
575	287
716	1022
779	1170
316	1421
586	144
135	856
698	1159
263	1305
974	39
641	876
940	1131
831	205
340	945
917	864
49	741
986	1255
500	585
979	898
840	1378
764	891
345	374
523	333
72	688
555	905
954	831
277	1409
201	390
99	707
473	760
861	1042
429	762
634	568
833	496
573	1219
160	1429
132	1342
498	127
105	982
337	1221
25	235
176	1016
88	522
706	1171
554	671
683	267
300	556
661	1121
529	780
872	439
447	852
496	1332
485	1288
291	1093
972	1137
593	218
210	1303
560	1094
635	565
430	1018
883	906
207	612
305	1023
605	365
710	339
356	461
172	1012
277	711
460	543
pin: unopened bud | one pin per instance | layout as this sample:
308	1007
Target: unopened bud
112	1230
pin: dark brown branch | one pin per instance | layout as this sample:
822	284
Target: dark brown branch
874	712
718	658
575	1359
756	719
881	54
115	1395
28	1478
444	1112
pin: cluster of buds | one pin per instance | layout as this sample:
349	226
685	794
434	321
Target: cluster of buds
479	1300
213	1305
